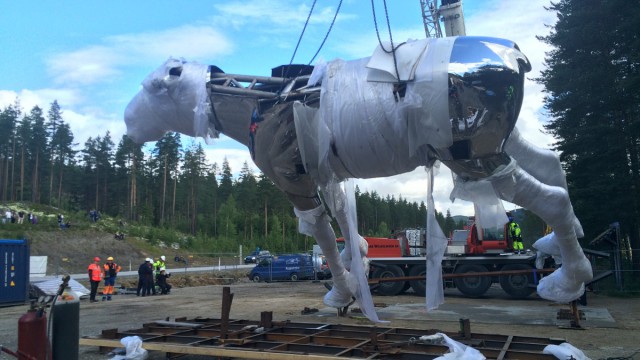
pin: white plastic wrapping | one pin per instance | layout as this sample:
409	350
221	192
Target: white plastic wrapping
436	246
459	351
171	103
363	293
366	122
134	350
488	207
552	204
427	99
565	351
542	164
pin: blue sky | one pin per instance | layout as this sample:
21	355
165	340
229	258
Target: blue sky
91	57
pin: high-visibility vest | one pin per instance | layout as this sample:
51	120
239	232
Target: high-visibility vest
96	272
159	264
514	228
111	269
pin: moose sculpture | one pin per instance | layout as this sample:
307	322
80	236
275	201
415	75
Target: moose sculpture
453	100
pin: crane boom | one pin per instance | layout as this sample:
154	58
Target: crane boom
430	18
450	13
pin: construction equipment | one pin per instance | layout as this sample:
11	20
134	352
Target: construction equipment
482	251
449	13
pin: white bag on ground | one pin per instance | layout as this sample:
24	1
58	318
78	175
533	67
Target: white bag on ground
565	351
459	351
133	344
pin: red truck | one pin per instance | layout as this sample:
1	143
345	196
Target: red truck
468	251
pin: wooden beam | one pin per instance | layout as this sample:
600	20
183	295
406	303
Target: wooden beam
211	351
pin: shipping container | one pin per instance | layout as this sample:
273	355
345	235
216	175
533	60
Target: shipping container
14	272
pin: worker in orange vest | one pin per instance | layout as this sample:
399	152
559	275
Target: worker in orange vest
95	276
111	271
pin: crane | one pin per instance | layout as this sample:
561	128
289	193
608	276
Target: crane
449	12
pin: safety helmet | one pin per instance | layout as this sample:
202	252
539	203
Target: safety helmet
110	258
96	259
148	259
162	258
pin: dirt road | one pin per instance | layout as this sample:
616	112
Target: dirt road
612	324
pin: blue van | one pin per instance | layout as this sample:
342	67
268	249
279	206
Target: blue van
291	267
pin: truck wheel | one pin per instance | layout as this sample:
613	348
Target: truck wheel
256	278
294	277
390	288
517	286
472	286
419	286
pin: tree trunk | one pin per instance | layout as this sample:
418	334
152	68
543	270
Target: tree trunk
35	193
173	204
13	168
164	191
60	181
266	220
22	174
133	191
4	177
105	192
97	188
51	180
193	207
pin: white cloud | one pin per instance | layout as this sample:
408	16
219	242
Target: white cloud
107	62
281	15
235	157
41	97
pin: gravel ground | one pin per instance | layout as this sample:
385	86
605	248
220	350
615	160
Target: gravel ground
286	301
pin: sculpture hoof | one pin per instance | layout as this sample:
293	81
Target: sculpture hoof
336	298
560	287
343	291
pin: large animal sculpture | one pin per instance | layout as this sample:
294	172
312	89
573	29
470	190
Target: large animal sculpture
453	100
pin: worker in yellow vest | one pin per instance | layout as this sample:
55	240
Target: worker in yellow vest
111	271
515	235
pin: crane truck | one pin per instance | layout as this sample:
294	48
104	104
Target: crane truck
472	250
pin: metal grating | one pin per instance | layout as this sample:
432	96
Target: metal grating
266	339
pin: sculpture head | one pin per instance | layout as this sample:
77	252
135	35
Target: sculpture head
173	98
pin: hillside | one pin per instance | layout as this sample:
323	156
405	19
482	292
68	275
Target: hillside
71	250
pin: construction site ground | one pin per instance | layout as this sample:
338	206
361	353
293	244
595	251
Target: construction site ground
609	328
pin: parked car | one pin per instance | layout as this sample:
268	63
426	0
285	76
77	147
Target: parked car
283	267
255	256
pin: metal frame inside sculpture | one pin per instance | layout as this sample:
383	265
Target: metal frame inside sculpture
453	100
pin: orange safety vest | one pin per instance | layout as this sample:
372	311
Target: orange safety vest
111	270
96	272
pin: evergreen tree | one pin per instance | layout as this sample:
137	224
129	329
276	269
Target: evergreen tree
247	188
592	81
194	171
54	121
128	159
167	158
8	122
225	188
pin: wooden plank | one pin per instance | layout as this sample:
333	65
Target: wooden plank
211	351
505	348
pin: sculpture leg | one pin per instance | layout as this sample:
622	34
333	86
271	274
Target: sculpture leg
336	199
542	164
315	222
552	204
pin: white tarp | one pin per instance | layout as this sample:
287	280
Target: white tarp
37	266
